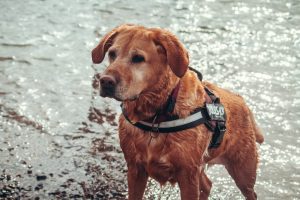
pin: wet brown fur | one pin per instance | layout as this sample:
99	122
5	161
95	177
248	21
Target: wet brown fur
177	157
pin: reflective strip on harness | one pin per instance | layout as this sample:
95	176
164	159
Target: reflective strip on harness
177	122
173	125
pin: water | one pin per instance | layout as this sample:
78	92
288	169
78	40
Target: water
49	111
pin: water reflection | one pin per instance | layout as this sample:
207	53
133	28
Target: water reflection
54	124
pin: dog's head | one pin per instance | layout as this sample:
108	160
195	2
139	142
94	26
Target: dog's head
138	59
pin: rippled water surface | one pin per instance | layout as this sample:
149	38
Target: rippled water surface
59	139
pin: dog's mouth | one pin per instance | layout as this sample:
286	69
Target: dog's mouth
112	94
109	94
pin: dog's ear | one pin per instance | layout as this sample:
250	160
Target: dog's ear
177	56
99	51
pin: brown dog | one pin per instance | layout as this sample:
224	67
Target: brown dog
146	64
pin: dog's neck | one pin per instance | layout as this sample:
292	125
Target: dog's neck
190	97
149	102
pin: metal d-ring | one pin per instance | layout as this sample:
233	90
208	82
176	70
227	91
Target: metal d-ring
154	129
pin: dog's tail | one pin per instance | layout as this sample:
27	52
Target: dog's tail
258	134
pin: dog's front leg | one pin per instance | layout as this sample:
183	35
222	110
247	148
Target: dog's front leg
188	181
137	181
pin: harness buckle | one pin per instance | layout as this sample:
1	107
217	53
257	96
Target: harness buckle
218	135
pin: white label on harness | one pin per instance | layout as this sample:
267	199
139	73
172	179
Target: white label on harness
216	111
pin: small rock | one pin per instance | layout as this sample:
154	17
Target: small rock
39	186
41	177
23	162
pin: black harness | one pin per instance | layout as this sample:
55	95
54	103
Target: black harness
212	115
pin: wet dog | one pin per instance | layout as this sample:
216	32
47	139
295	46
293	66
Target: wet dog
145	65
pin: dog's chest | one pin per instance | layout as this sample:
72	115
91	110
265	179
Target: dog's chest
155	155
155	158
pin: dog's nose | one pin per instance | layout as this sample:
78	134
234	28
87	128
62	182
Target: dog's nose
107	81
108	84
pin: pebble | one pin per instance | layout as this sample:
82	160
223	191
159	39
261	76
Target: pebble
41	177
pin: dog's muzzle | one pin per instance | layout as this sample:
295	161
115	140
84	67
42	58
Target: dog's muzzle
108	86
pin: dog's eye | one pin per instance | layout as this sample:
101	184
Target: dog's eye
137	59
112	55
